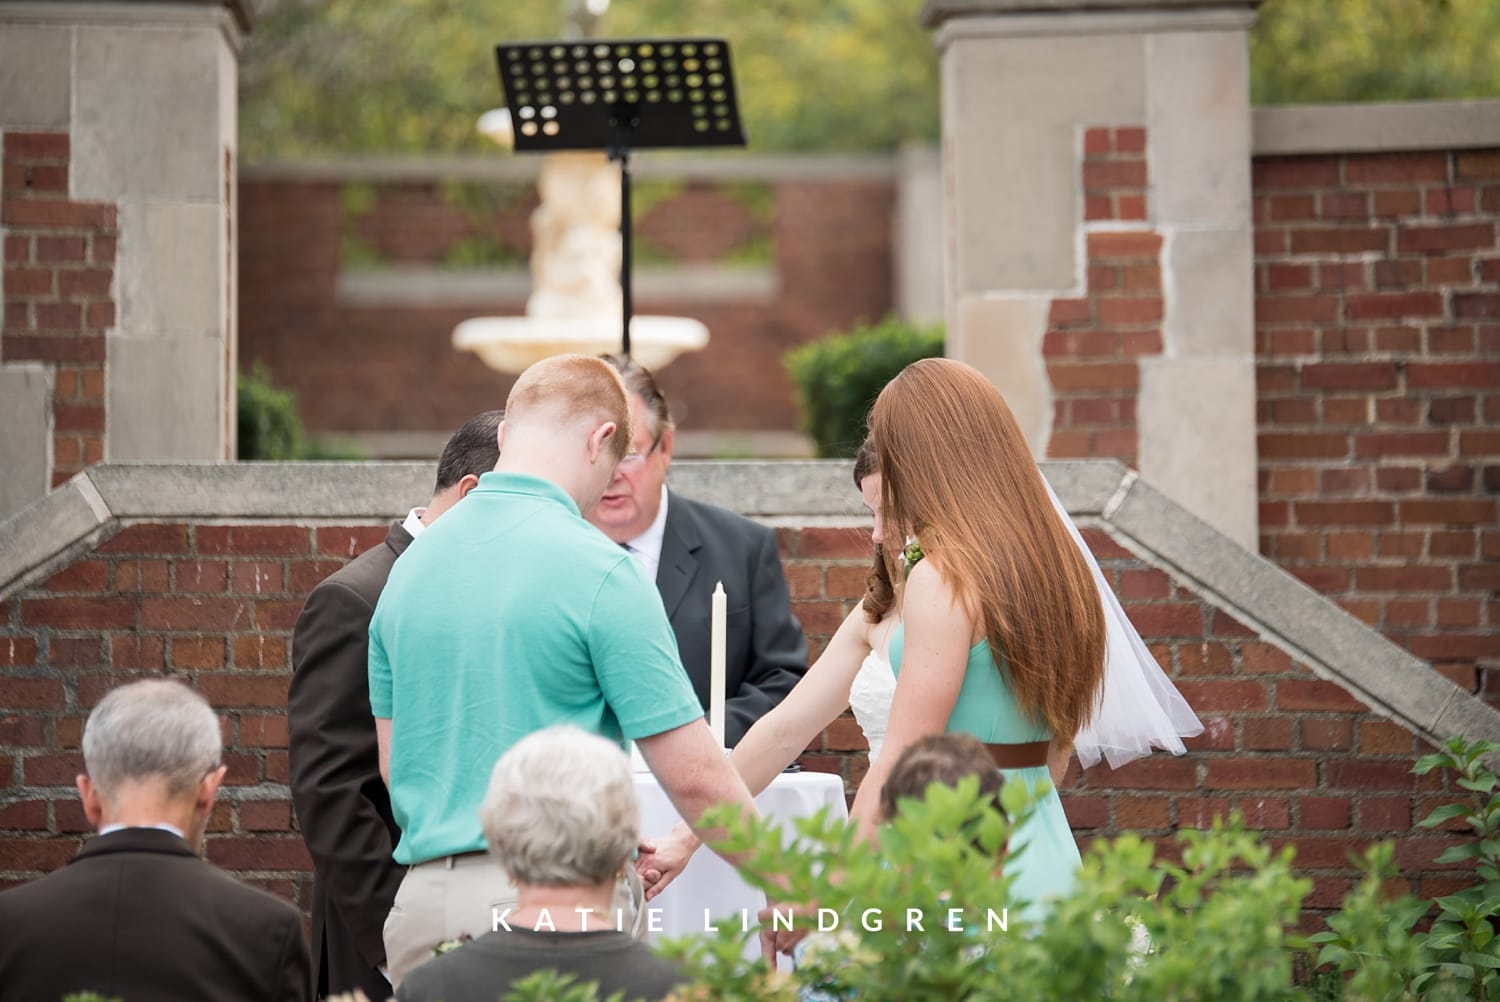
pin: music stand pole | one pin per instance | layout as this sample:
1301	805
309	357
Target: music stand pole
623	119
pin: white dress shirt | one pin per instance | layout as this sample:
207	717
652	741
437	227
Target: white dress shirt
647	546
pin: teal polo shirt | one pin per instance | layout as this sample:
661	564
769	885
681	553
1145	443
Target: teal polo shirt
510	614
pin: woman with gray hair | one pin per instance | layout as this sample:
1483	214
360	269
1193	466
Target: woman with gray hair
561	817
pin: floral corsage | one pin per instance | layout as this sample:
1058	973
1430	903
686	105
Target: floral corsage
911	555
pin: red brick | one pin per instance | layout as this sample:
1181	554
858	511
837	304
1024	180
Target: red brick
247	540
36	146
1166	620
1218	735
195	614
1344	204
1131	208
51	770
1479	305
1152	774
1093	376
1303	445
1130	139
1103	546
1381	305
305	575
280	615
1280	277
1097	142
1435	239
1350	376
147	653
197	652
1265	813
847	582
30	693
257	650
258	853
36	855
265	815
67	317
84	576
835	543
1452	410
1381	737
1086	812
1069	311
1124	245
1123	311
1390	168
1269	241
226	691
1204	659
200	575
1485	164
348	540
1450	271
1298	172
821	618
1314	694
1476	443
1297	309
142	576
1345	513
1114	174
1455	646
79	613
1377	445
1342	240
1261	774
1451	512
1403	579
263	731
25	283
148	539
99	317
1326	813
1384	814
1458	613
804	580
1489	269
1449	201
21	732
1421	853
1267	733
1284	208
1223	697
84	283
56	213
1367	774
1136	813
24	815
1225	625
844	734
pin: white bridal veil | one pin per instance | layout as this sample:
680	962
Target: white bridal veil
1139	709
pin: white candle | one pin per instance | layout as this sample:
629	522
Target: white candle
716	664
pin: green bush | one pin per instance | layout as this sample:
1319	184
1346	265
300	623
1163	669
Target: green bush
836	379
1219	925
270	426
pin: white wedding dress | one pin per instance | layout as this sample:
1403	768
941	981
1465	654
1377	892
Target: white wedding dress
870	697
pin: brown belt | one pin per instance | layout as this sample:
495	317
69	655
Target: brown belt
1022	756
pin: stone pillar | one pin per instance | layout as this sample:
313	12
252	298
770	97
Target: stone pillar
1098	258
118	129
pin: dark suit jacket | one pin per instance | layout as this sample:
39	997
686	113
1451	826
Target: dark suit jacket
342	804
765	649
137	916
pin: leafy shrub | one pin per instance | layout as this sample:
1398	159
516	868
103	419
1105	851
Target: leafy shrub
1216	926
270	426
836	379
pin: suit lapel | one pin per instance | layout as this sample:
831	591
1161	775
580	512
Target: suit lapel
679	561
398	539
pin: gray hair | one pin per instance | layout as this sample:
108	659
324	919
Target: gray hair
152	730
561	809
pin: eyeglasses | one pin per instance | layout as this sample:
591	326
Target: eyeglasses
632	459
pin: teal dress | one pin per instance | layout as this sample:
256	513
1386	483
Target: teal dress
987	709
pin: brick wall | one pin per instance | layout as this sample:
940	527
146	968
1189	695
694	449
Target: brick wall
214	604
1378	351
351	364
1094	342
58	259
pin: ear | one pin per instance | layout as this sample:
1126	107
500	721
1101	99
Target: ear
93	805
208	788
500	435
668	438
598	438
465	485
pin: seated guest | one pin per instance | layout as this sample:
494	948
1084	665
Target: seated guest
561	818
136	915
944	759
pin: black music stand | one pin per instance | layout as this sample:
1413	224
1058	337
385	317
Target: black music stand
618	95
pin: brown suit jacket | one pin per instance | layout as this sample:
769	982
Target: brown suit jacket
137	916
342	804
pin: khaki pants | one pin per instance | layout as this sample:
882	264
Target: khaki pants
456	896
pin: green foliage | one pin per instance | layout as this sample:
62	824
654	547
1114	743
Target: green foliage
550	986
270	428
341	76
1375	50
88	997
269	425
837	379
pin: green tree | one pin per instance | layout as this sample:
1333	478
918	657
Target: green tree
332	76
1306	51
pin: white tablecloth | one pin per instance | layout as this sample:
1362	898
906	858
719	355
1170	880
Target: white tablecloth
709	886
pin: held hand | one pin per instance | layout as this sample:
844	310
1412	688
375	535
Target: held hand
662	859
775	940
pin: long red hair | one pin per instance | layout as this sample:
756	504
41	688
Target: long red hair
957	475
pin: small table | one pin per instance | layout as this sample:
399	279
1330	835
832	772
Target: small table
710	888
